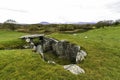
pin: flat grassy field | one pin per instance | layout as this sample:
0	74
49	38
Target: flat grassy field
101	63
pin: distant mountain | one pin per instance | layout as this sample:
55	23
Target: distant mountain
76	23
85	23
44	23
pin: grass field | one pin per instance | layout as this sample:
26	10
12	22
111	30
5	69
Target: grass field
10	39
103	47
102	62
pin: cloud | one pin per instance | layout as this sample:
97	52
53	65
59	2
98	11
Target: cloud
115	7
30	11
14	10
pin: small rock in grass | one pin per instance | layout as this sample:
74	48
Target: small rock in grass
51	62
73	68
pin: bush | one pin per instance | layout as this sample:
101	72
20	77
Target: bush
50	29
104	23
33	28
65	27
9	26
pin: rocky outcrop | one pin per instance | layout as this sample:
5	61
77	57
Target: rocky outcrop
63	48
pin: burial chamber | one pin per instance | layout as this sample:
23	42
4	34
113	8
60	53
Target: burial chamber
62	48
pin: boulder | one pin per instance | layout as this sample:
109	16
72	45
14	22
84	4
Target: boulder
73	68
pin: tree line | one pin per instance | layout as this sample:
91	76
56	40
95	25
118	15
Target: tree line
40	28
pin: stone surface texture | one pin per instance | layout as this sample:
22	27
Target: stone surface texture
73	68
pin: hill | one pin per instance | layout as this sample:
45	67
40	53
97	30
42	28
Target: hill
44	23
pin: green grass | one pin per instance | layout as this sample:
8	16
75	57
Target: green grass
26	65
103	47
10	39
101	63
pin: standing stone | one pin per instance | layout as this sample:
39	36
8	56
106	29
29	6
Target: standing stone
40	50
80	56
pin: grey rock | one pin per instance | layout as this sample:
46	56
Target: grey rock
32	46
40	50
83	53
51	62
73	68
27	40
32	36
80	56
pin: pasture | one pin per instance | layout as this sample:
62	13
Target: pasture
101	63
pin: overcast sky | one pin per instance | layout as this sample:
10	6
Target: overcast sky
35	11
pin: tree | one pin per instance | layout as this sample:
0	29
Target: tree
104	23
65	27
117	22
33	28
9	24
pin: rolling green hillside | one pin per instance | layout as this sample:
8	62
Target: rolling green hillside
103	47
101	63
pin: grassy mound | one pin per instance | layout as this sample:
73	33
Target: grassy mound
10	39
